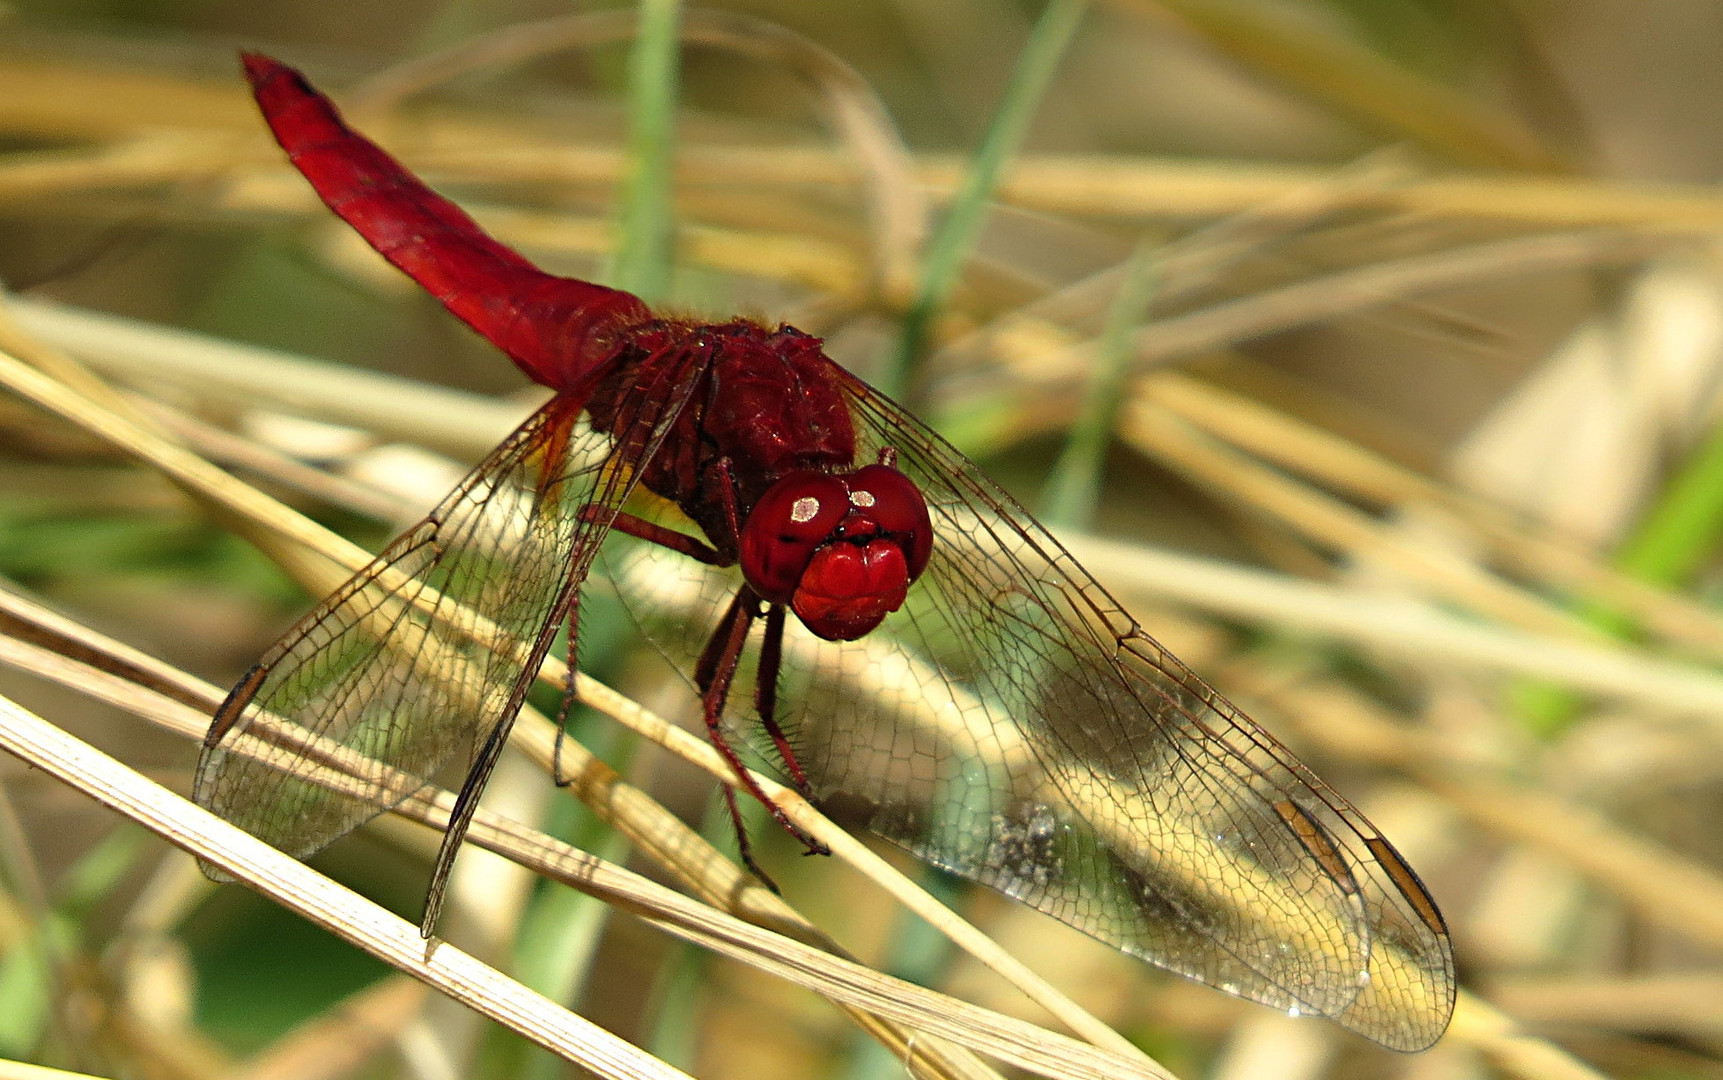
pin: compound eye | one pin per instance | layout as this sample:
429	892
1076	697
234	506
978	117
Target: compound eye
894	503
792	519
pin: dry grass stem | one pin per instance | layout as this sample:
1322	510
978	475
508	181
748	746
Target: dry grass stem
329	905
106	674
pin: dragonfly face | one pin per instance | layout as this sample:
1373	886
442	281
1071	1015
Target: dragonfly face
840	549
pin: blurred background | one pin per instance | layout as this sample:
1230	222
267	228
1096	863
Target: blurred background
1416	314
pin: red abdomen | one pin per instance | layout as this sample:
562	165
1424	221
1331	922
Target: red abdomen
764	404
558	330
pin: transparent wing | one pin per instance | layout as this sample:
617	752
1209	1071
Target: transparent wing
1013	725
426	655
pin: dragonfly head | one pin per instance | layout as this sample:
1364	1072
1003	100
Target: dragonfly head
840	549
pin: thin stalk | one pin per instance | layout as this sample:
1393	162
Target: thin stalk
642	261
956	236
1684	528
1074	486
1675	537
561	933
919	954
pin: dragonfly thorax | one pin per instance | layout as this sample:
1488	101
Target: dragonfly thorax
761	405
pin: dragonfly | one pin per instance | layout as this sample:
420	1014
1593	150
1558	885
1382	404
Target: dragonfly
856	603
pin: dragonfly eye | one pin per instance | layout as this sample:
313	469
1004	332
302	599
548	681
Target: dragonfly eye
891	501
795	516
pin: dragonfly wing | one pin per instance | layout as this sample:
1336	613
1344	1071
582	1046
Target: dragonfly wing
428	652
1021	730
1013	725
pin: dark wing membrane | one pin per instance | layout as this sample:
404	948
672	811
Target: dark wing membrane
427	653
1014	726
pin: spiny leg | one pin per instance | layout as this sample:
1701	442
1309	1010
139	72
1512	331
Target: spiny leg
716	670
706	667
653	533
714	673
571	674
766	697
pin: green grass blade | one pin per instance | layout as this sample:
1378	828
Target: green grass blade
1678	534
1301	54
644	250
1074	485
1683	529
956	236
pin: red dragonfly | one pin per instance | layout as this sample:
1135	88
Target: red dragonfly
952	680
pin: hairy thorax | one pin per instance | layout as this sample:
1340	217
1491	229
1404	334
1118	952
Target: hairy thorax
761	404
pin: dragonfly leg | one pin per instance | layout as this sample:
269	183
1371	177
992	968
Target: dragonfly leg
727	496
766	697
713	675
706	668
654	533
744	846
571	673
